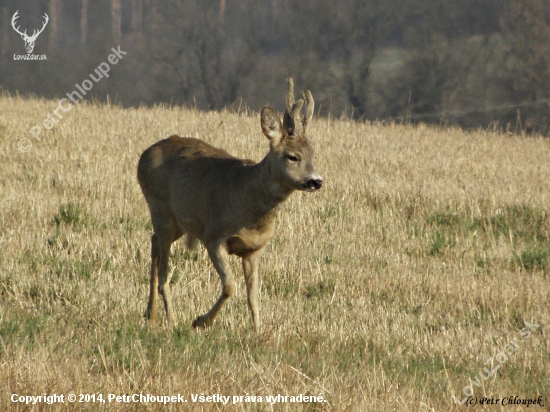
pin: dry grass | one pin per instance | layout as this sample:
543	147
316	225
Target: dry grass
422	256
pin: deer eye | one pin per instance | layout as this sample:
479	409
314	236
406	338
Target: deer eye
292	158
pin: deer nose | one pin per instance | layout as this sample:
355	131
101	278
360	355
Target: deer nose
314	183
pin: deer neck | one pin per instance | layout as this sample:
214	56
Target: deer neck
265	194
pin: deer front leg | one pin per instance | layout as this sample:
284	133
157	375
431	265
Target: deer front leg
219	256
250	268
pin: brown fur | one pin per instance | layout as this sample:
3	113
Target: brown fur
227	203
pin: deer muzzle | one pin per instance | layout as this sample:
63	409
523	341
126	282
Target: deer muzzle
314	183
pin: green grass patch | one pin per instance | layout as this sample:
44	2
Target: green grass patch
22	328
440	240
525	227
71	269
277	287
70	214
320	289
522	222
533	258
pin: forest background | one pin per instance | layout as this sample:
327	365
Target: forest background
472	63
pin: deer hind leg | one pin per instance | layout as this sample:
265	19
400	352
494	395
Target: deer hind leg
166	231
219	256
151	312
163	281
250	269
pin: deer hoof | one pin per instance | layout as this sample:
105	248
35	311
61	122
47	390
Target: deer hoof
201	322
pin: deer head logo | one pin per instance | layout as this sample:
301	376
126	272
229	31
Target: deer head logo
29	40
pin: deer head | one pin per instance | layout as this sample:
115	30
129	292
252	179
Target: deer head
291	155
29	40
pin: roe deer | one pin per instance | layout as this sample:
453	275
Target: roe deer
229	204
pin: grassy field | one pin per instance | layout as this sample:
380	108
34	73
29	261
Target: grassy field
419	273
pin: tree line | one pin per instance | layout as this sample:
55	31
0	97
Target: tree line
462	62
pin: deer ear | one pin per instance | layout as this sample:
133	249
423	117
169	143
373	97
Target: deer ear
271	125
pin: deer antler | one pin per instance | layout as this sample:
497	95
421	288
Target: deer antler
289	94
14	18
292	121
309	109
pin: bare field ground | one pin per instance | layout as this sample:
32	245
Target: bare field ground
421	270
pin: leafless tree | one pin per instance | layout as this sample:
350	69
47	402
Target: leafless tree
116	20
55	16
84	22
